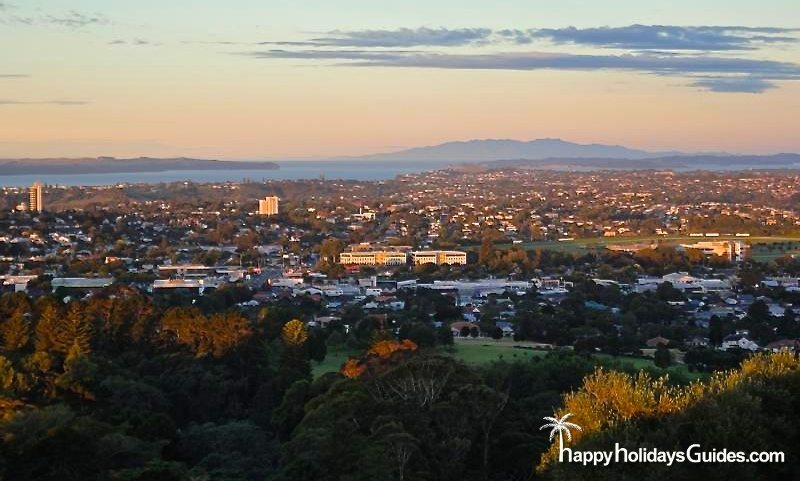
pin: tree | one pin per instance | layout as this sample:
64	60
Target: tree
444	335
663	356
715	333
486	253
16	332
330	249
398	444
294	333
73	333
46	328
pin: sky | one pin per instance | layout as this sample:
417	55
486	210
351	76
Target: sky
268	79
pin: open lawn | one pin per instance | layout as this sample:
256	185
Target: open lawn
484	351
764	248
768	251
332	362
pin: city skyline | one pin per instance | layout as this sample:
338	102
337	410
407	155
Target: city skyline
254	80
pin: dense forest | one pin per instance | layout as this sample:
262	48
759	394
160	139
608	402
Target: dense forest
118	386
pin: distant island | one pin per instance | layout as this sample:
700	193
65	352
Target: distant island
112	165
483	150
558	154
676	162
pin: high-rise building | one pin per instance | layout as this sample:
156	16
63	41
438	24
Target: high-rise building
35	203
268	206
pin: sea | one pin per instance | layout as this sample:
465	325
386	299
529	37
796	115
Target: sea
289	170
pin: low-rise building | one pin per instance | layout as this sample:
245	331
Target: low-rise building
373	258
439	257
739	340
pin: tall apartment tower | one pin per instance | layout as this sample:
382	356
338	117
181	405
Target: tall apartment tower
35	203
268	206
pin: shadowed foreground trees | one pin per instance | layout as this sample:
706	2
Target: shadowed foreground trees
114	387
752	408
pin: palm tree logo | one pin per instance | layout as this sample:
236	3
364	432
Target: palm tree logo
560	426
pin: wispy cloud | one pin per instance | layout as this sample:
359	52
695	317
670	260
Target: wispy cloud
631	37
373	57
14	75
134	42
75	19
646	63
43	102
694	53
542	60
745	84
12	14
402	37
670	37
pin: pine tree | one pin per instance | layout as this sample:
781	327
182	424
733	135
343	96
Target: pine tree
73	333
46	329
16	332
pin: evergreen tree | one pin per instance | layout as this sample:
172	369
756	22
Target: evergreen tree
16	332
73	333
46	328
663	358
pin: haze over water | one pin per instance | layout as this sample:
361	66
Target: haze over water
289	170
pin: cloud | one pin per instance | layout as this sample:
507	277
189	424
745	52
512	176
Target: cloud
372	56
665	64
719	73
402	37
10	14
631	37
135	42
43	102
14	75
747	84
710	57
669	37
75	19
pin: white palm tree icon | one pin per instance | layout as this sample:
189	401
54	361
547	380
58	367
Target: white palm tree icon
560	426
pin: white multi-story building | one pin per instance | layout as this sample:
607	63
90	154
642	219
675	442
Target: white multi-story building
733	250
268	206
373	258
35	203
439	257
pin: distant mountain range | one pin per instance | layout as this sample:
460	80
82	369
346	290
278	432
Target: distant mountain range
681	162
500	149
488	153
560	154
112	165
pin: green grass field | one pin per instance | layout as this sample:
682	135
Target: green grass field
485	351
764	248
332	362
767	251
